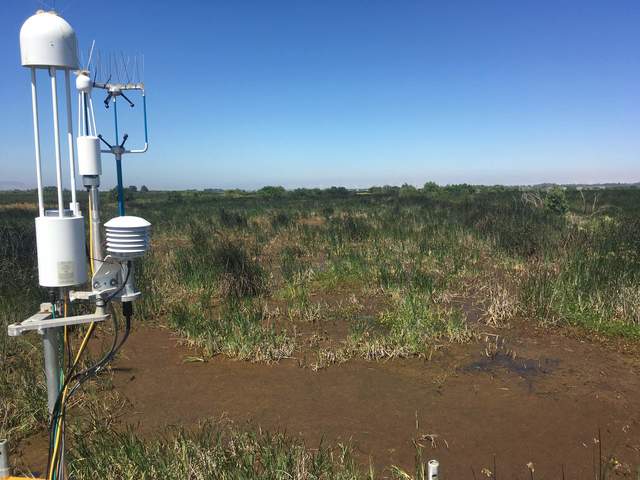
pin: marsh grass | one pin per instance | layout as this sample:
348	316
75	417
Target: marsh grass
293	264
209	451
239	329
222	451
232	219
223	265
596	282
413	326
22	390
512	256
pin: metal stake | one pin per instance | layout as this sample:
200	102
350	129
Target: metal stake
51	342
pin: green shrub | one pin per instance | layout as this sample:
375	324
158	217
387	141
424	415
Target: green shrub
555	201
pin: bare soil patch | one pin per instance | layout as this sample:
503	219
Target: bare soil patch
532	397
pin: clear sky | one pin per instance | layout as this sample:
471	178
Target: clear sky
355	93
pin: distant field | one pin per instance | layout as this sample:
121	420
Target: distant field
324	278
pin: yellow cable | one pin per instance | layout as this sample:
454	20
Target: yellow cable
56	446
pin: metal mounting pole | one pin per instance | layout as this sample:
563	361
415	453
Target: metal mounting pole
118	162
85	107
95	226
51	339
120	186
51	342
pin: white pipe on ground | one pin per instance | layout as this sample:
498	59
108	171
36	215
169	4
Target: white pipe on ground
432	472
5	471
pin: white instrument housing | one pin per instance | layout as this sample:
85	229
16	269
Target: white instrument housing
62	259
89	161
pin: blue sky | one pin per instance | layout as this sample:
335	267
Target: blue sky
355	93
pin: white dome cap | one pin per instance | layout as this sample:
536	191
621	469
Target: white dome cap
47	40
128	222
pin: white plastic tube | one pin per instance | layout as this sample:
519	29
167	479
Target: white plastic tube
80	127
93	118
5	469
432	470
72	157
36	138
56	138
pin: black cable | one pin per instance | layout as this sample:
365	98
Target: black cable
69	349
101	261
93	371
82	376
115	346
59	410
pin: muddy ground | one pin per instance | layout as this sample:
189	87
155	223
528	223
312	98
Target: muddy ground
538	397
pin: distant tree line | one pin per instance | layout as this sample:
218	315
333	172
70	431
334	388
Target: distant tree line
405	190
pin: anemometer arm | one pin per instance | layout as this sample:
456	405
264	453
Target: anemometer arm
110	95
117	148
106	143
146	136
131	104
107	100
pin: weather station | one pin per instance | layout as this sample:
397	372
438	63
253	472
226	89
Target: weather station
76	264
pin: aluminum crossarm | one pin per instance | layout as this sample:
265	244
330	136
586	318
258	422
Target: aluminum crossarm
42	320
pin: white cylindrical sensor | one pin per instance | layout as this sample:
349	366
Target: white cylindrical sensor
62	259
89	162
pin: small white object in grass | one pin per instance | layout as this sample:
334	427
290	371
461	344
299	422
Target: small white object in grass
432	471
